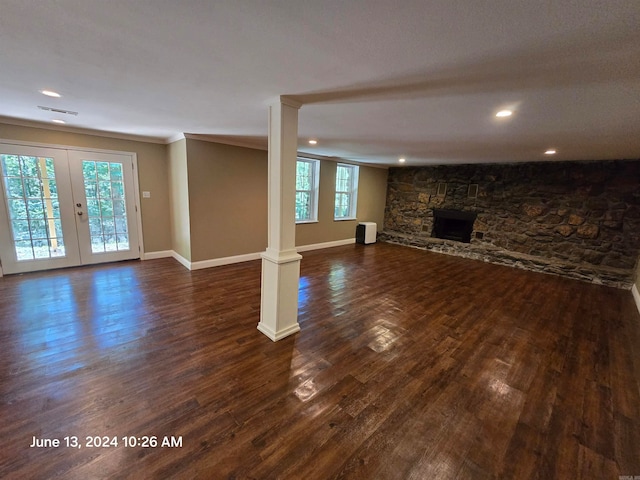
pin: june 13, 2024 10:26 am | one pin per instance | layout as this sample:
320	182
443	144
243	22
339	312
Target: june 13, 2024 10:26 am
106	441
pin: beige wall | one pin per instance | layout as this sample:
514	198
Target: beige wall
372	190
209	200
152	173
372	195
179	198
227	200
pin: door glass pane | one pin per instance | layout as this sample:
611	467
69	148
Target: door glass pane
118	207
33	206
18	208
106	206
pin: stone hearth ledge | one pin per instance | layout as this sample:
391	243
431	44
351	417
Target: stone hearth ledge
612	277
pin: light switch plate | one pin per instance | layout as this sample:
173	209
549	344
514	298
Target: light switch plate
146	194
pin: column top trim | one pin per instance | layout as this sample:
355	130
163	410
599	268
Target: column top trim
287	100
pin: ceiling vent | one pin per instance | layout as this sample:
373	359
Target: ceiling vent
57	110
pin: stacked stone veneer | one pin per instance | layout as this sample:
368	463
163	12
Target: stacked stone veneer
577	219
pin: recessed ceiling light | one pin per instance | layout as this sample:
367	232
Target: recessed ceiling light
50	93
504	113
551	151
313	142
402	160
57	120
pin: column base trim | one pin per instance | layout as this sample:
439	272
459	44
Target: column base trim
275	336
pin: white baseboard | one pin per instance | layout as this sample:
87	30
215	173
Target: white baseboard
636	296
159	254
247	257
218	262
181	259
319	246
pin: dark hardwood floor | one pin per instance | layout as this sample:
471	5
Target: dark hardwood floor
409	365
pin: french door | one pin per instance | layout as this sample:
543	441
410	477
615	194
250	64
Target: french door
64	208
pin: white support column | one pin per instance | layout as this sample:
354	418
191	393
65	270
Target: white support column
281	262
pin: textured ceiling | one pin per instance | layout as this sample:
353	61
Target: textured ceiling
377	79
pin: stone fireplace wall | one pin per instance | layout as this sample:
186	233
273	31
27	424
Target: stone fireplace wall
577	219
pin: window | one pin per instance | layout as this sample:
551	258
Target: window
346	192
307	190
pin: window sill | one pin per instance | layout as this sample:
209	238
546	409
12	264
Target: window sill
302	222
344	219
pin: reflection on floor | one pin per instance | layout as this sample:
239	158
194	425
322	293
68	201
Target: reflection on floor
409	364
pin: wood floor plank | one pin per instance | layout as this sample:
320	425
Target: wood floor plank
409	364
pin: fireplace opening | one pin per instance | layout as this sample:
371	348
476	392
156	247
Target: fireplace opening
453	224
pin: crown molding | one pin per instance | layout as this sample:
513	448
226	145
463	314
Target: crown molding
175	138
314	156
255	144
82	131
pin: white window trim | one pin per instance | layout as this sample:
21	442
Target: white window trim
315	182
353	191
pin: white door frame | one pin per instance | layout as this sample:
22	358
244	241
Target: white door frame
67	219
87	256
136	181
